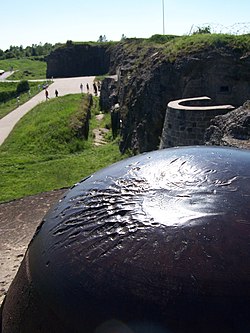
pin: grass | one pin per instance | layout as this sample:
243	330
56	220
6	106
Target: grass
181	46
44	153
24	175
101	77
10	105
25	68
184	45
46	130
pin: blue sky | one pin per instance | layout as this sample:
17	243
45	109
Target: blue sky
30	22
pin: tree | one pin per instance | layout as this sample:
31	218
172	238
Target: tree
22	86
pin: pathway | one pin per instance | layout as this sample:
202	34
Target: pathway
64	87
5	75
99	132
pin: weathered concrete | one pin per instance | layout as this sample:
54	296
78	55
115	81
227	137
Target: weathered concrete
186	121
18	222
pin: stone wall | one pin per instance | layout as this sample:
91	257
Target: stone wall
185	125
78	60
224	77
147	84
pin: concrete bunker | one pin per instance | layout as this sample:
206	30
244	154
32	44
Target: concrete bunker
187	119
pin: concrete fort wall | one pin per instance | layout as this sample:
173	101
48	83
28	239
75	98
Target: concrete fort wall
185	124
78	60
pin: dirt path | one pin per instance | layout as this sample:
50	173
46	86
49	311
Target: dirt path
99	132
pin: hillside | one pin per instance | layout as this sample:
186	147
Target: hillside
53	147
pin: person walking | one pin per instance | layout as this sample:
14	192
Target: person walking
95	88
81	87
56	93
46	94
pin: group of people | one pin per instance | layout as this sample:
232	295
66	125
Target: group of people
96	88
47	94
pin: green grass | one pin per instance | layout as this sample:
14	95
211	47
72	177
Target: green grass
24	175
10	105
26	68
44	152
101	77
182	46
47	129
5	86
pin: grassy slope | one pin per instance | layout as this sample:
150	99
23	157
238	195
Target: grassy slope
27	69
10	105
43	152
185	45
181	46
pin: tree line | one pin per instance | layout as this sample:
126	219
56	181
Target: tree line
36	50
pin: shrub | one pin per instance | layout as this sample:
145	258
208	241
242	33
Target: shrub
161	39
7	95
22	86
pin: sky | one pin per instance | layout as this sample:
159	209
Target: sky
30	22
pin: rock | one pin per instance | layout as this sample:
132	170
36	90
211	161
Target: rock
232	129
78	60
108	97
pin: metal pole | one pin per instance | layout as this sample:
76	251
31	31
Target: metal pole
163	17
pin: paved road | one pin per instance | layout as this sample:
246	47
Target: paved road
5	75
64	87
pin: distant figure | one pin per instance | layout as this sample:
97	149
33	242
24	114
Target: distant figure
81	87
87	85
47	94
95	88
56	93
